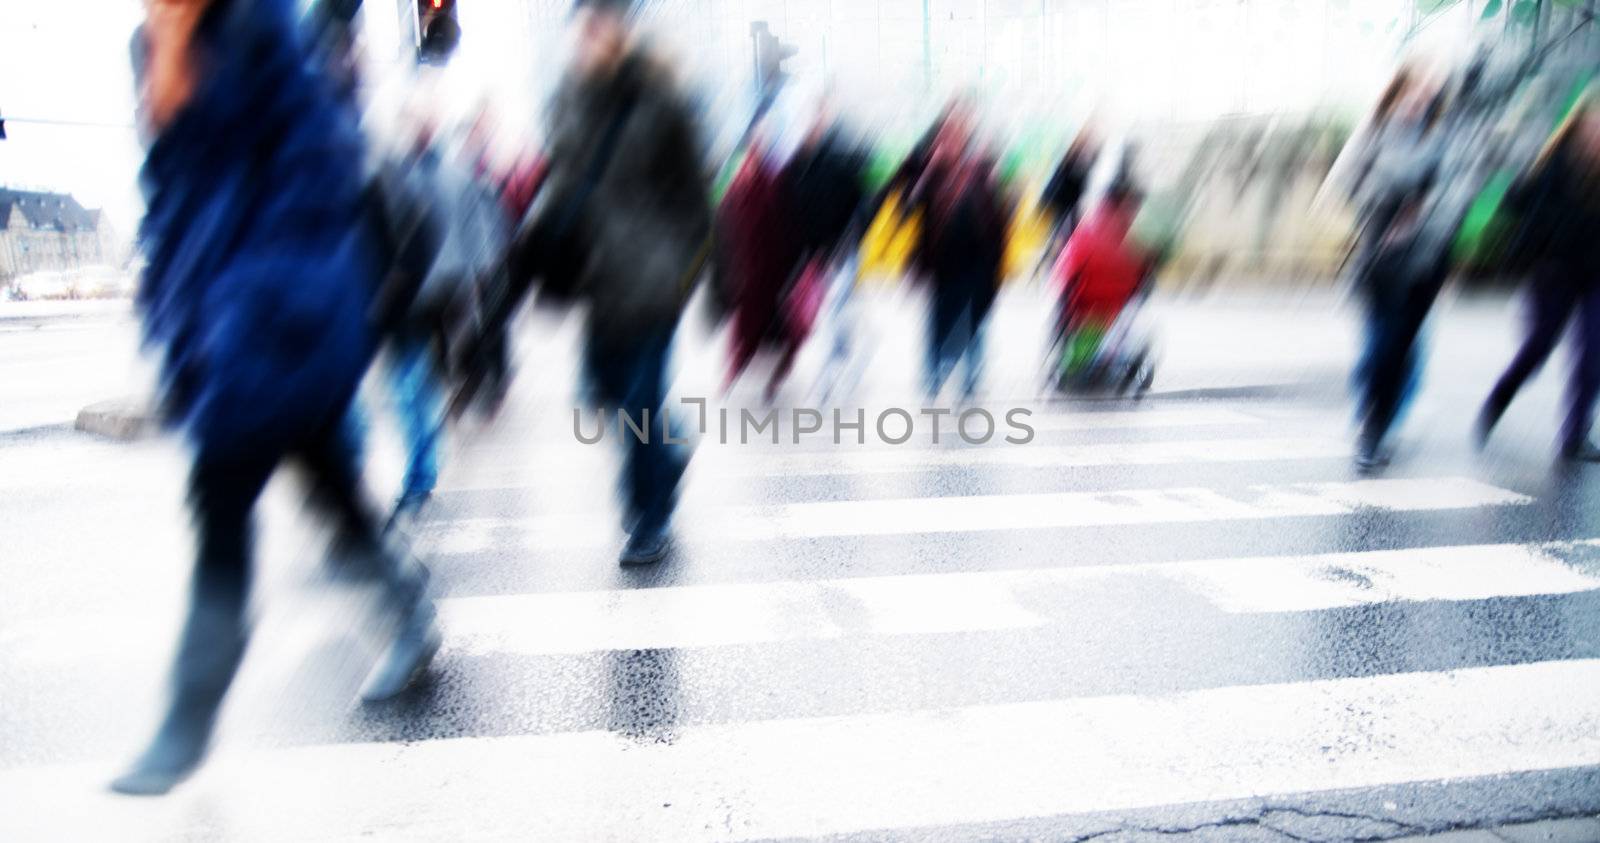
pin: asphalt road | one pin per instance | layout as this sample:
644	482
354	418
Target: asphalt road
1182	615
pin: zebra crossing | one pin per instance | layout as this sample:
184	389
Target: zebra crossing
912	642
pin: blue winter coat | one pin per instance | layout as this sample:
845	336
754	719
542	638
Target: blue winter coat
260	271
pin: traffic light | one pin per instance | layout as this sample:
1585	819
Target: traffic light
770	53
438	31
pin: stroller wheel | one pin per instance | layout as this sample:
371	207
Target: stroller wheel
1144	376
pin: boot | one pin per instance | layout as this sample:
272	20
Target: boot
1488	417
415	644
209	653
416	639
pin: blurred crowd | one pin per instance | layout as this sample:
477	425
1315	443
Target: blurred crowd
290	249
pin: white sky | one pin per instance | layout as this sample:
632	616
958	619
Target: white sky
68	60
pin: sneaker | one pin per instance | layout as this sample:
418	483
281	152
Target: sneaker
408	657
1370	458
406	509
1580	451
645	548
173	757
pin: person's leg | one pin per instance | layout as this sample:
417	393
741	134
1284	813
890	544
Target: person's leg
944	312
416	392
222	495
1389	371
654	467
1549	307
361	553
977	316
607	367
1585	382
782	366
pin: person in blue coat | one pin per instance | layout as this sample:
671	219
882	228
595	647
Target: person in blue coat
261	273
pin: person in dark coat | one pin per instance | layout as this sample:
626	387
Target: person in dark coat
1558	203
261	271
961	250
827	182
1067	185
636	221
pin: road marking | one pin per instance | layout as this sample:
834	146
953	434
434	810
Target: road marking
490	469
834	775
721	462
719	615
754	613
983	513
1132	419
1035	456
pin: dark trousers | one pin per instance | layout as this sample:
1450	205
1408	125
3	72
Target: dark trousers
222	496
955	330
630	376
1554	295
223	493
1395	314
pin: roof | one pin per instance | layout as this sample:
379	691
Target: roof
54	211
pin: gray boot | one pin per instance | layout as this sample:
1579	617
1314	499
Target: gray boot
416	637
209	653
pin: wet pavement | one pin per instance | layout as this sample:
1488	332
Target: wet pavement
1185	615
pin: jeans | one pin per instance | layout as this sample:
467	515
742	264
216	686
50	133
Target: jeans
1395	315
630	376
420	405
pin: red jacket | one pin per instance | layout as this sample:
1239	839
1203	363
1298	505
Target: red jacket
1100	269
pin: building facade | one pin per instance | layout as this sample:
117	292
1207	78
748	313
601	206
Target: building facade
51	232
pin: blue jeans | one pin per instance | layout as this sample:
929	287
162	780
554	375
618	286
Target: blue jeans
631	376
420	406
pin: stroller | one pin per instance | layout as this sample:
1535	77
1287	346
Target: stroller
1103	341
1116	359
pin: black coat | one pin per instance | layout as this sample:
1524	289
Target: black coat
825	185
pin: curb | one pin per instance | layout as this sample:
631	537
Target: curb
1570	830
122	419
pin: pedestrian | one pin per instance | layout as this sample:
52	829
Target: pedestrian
1397	276
827	184
760	256
961	249
473	234
261	272
1068	185
1558	205
623	225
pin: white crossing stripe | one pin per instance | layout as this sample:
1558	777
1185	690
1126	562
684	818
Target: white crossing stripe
1029	456
1132	419
720	462
815	454
564	623
737	614
835	775
903	516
